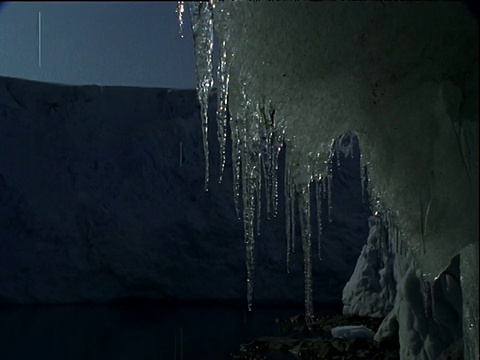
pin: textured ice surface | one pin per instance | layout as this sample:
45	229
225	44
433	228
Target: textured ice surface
426	317
371	290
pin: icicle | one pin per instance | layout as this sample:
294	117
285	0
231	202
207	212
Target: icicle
202	26
292	212
267	173
222	104
330	176
236	166
266	184
337	150
180	10
304	213
251	188
288	215
277	148
258	194
249	185
324	188
267	136
235	131
318	198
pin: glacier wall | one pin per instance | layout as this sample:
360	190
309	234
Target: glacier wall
102	198
402	76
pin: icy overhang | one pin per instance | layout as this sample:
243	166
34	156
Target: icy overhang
394	73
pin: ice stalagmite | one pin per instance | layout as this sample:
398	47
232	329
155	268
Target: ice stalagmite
202	27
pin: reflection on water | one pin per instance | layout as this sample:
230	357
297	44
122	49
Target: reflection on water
133	331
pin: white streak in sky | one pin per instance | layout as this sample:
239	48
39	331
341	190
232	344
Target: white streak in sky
39	39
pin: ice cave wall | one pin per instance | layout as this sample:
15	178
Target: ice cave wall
98	203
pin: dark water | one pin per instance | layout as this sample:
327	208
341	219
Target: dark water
134	331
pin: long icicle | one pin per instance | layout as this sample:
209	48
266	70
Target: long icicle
222	105
202	27
329	199
180	10
251	188
277	144
288	215
258	193
266	135
292	210
248	190
235	131
318	198
304	212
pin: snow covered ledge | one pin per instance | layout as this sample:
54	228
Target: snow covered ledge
403	76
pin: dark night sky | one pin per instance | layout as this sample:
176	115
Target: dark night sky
103	43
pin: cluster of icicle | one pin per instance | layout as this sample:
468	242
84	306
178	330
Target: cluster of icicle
257	138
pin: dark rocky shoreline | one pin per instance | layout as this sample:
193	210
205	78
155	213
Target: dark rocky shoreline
300	342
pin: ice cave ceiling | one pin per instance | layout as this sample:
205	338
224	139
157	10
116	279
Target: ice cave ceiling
402	76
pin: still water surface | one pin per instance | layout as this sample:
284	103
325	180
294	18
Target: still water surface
134	331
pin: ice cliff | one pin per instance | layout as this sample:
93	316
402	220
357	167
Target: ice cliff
102	198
